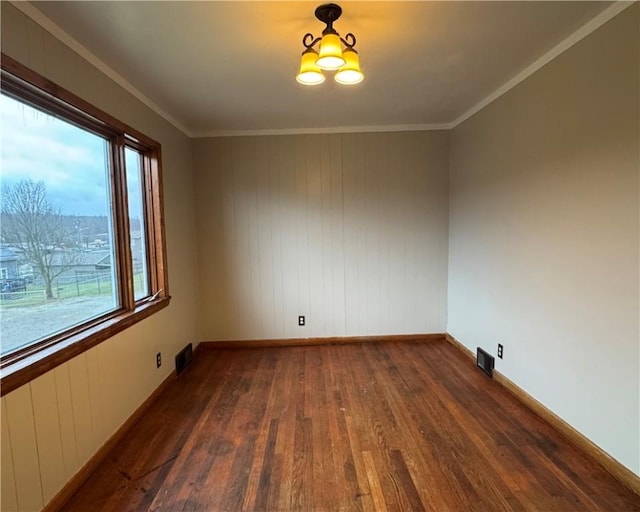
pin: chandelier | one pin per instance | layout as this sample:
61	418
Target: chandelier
331	56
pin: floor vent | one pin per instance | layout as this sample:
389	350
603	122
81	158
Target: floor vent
184	358
485	362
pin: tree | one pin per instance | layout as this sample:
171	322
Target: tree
36	230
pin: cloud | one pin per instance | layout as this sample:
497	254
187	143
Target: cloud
72	162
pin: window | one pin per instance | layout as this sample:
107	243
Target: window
81	232
135	178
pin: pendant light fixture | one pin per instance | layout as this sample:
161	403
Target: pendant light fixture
331	55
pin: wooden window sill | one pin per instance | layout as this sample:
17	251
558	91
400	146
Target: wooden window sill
24	366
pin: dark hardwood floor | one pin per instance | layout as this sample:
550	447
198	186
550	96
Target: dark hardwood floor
377	426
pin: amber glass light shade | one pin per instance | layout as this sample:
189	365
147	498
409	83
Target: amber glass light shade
330	56
350	73
310	73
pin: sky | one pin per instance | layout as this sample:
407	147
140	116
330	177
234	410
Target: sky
72	162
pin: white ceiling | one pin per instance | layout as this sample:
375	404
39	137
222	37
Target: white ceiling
219	67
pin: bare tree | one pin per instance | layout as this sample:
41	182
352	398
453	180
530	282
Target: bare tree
33	228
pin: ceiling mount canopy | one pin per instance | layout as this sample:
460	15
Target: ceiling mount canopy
328	13
335	53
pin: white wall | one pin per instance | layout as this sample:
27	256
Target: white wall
544	236
51	426
349	230
353	231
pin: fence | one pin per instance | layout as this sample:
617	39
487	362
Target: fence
79	285
83	283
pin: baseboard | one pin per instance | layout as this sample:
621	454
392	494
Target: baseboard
295	342
460	347
83	474
625	476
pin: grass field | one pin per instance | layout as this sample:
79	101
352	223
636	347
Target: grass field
35	294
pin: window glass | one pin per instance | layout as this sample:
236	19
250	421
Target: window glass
82	252
137	225
56	226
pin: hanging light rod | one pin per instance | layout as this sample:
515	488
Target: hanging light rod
332	56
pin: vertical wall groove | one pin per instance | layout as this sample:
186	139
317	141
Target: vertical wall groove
55	423
37	447
349	230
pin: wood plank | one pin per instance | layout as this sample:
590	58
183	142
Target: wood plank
47	424
37	57
288	389
207	438
254	421
55	52
371	426
71	487
67	426
9	500
615	468
15	37
374	483
24	445
370	496
95	392
81	403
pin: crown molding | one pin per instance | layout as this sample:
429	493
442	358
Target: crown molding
606	15
591	26
55	30
36	15
335	129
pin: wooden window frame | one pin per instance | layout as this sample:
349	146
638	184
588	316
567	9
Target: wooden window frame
23	365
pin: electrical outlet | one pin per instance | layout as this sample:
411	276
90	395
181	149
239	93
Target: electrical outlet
301	321
158	359
500	349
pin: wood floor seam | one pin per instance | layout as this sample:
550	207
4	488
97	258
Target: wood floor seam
390	425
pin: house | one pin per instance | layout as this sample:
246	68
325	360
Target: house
137	251
70	264
10	277
512	222
9	263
